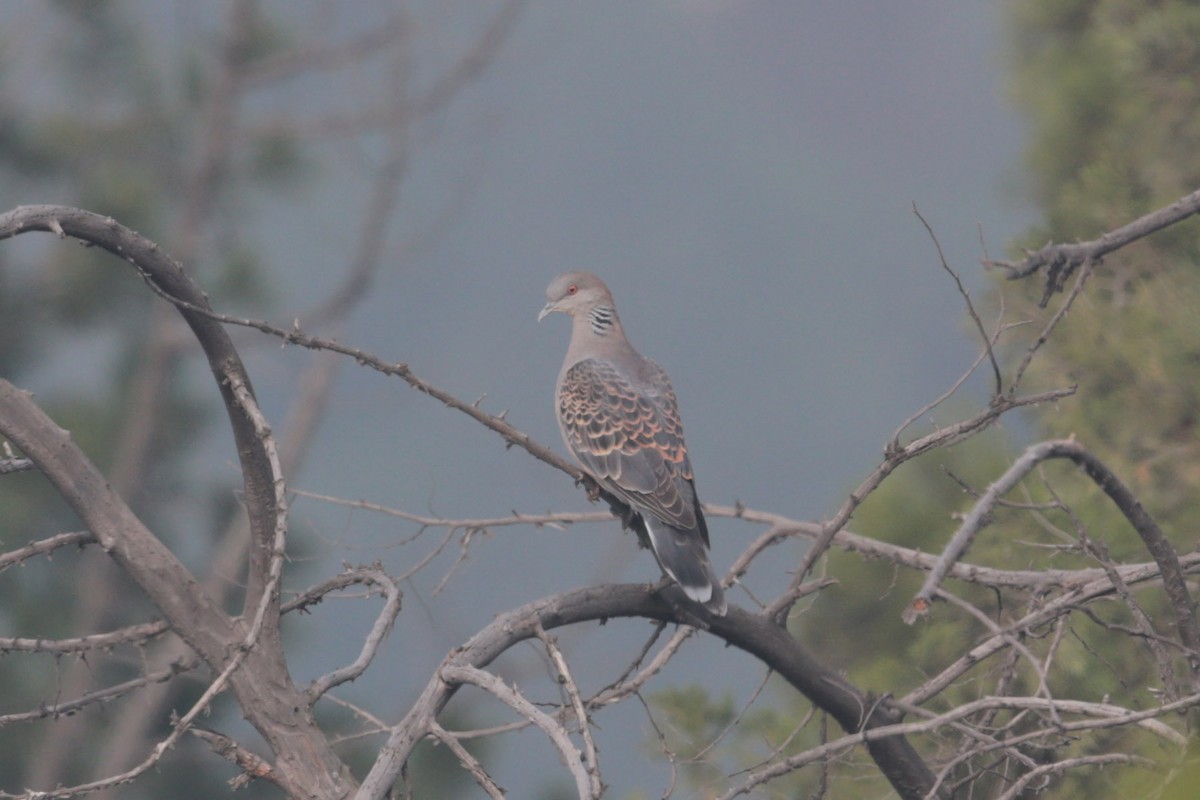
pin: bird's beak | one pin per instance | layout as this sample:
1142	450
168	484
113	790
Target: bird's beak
549	309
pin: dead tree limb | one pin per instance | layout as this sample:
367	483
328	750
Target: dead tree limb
756	634
1060	260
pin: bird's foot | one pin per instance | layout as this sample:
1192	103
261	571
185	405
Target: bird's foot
590	486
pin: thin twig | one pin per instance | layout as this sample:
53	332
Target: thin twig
47	545
966	296
571	757
596	787
557	520
1018	788
378	633
134	634
105	695
469	761
1044	336
620	691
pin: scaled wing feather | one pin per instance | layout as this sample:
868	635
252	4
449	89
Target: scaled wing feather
631	441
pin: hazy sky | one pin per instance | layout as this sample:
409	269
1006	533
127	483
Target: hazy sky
742	174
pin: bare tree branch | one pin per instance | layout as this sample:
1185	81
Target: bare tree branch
757	634
278	709
190	612
1156	542
103	695
966	296
1060	260
467	760
48	545
1020	786
1071	598
135	634
590	761
379	631
571	757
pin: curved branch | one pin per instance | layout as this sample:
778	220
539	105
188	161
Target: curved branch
893	458
756	634
571	757
1100	760
263	686
379	631
167	277
1151	534
563	673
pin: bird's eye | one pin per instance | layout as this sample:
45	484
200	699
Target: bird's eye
572	289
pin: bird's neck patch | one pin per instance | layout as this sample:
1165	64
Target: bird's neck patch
602	319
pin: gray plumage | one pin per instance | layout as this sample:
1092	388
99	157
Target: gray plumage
619	418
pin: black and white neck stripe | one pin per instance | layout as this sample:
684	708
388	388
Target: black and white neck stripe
603	319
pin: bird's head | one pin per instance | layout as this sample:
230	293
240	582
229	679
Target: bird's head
575	293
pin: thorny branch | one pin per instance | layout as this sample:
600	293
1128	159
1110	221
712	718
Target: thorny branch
104	695
135	634
45	546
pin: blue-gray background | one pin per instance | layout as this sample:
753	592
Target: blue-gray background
742	174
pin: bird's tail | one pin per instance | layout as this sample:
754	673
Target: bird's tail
683	555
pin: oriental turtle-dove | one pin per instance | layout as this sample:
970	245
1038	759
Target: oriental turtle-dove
619	418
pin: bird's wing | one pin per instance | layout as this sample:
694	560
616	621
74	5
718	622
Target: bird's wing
631	441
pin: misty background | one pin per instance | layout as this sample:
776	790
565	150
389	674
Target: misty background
743	177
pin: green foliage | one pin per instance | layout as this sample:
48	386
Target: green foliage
1110	91
689	721
1132	345
1182	785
